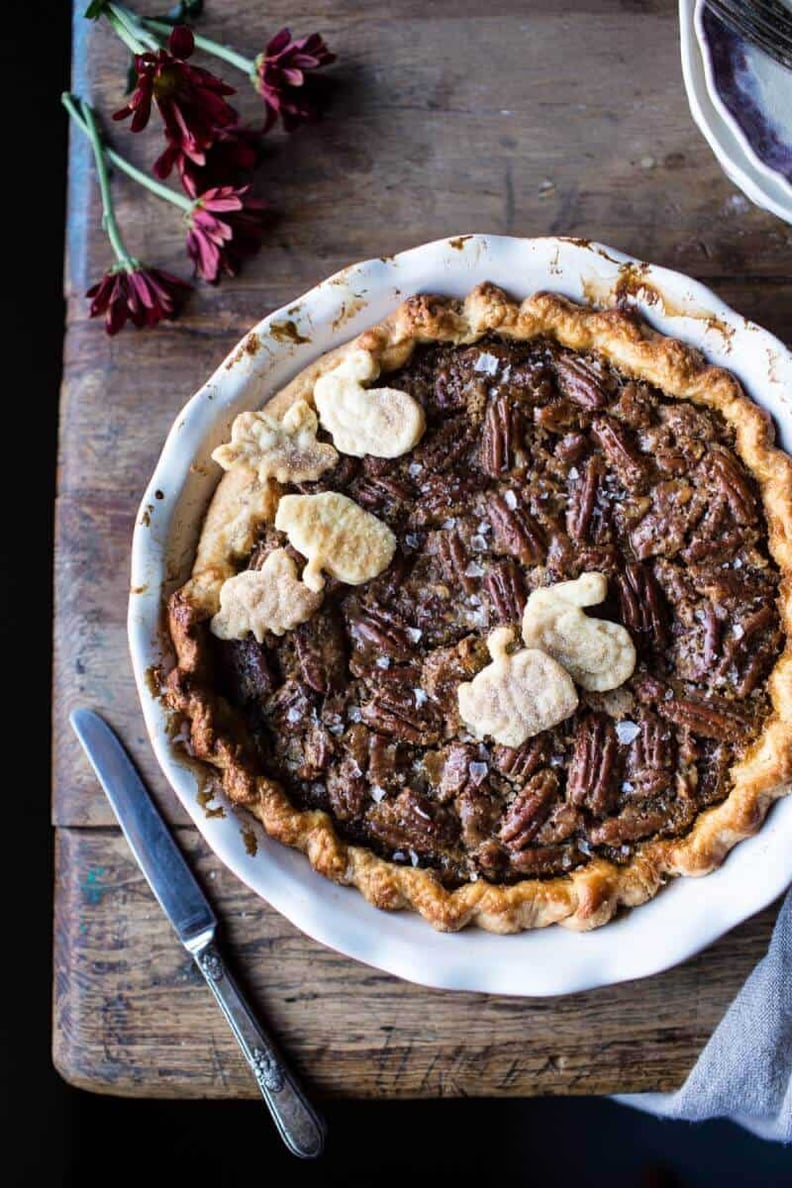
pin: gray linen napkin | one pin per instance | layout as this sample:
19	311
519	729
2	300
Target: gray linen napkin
745	1071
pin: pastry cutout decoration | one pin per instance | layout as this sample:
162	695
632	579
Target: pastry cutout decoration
337	536
518	695
268	599
285	450
598	655
382	422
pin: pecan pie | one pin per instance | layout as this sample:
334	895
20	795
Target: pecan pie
489	614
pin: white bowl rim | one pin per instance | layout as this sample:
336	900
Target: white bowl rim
537	963
725	113
763	189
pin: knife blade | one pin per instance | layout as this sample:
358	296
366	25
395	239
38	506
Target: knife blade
184	903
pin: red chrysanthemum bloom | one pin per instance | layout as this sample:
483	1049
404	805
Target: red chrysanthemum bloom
225	227
143	295
189	99
230	160
281	78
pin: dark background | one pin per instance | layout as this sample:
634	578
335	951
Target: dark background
55	1135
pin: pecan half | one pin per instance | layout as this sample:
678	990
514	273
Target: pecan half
651	760
393	712
478	811
499	437
322	651
456	769
317	753
383	760
632	823
248	667
644	820
518	763
506	587
586	381
411	821
643	606
563	822
582	501
455	560
592	769
381	492
544	860
449	389
516	531
713	773
528	811
291	706
733	484
708	719
621	451
753	652
347	788
383	629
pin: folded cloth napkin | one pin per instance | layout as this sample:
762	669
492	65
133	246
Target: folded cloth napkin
744	1073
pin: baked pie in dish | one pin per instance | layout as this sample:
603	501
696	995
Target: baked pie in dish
489	613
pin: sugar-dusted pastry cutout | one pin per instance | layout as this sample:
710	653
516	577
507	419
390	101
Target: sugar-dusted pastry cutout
336	535
599	655
286	450
383	422
268	599
518	695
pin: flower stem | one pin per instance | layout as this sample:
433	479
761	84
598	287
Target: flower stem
84	117
207	45
130	30
87	121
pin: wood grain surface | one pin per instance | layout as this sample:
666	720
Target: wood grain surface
134	1016
527	120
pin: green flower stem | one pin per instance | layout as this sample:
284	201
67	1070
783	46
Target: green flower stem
208	46
84	118
126	25
87	121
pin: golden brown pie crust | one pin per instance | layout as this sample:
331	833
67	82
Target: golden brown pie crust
586	897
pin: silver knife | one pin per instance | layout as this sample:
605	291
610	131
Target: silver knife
184	903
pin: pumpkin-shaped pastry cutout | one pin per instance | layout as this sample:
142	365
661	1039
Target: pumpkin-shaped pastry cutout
518	695
336	535
382	422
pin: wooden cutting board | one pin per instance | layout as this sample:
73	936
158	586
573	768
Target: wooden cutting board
525	121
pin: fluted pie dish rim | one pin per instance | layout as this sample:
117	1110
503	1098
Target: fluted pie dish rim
581	899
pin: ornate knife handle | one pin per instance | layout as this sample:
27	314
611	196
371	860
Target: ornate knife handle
300	1126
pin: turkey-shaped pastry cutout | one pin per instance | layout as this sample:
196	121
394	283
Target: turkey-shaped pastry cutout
518	695
286	450
599	655
268	599
383	422
336	535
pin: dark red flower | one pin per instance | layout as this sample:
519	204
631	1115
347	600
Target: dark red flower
225	227
189	99
144	295
230	160
281	78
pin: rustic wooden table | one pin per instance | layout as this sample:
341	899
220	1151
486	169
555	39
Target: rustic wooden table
526	120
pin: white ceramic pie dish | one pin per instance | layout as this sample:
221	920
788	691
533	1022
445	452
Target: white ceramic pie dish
686	915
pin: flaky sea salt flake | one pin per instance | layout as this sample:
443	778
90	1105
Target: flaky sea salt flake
627	732
486	363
